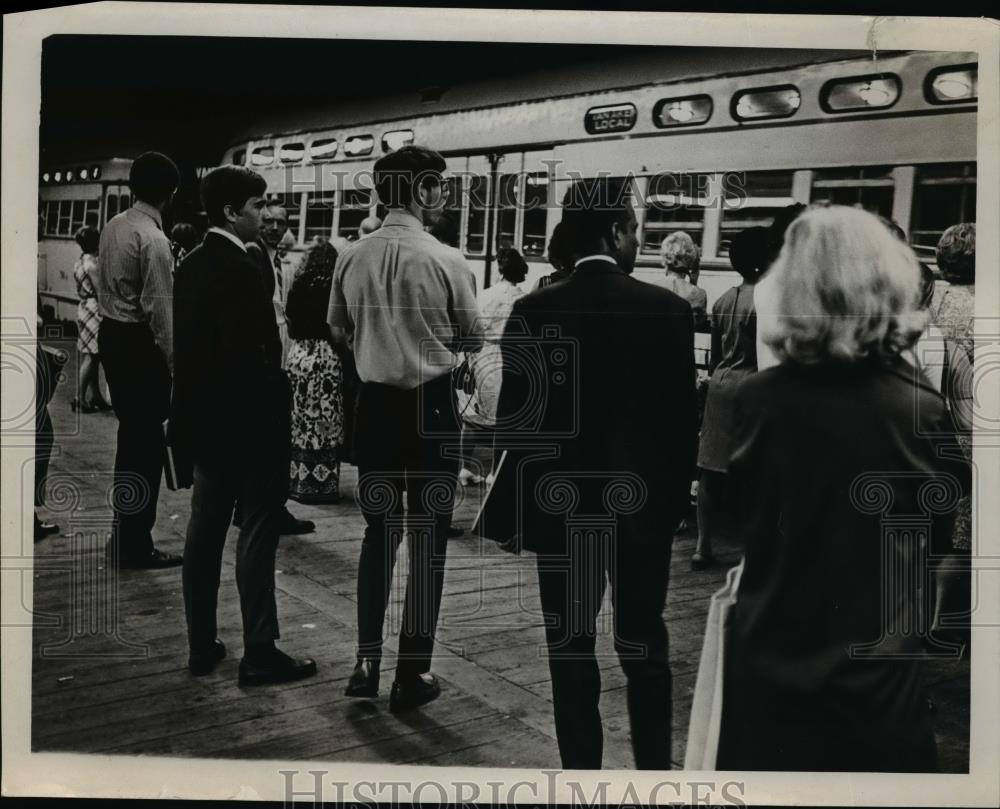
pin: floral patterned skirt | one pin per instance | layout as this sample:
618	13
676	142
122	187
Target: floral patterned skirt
316	378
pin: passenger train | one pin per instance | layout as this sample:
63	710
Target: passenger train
716	141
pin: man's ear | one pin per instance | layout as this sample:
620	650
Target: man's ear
229	212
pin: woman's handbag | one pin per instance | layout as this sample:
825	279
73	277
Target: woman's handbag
706	707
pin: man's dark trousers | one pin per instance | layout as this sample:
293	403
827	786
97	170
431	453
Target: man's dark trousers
139	381
571	588
260	486
400	442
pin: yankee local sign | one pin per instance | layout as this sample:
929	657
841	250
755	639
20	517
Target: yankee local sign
614	118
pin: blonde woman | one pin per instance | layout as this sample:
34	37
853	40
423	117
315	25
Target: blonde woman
681	260
822	670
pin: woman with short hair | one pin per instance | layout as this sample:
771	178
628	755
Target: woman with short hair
681	260
821	667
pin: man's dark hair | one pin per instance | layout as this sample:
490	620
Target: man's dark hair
776	233
591	208
398	173
510	263
748	253
927	282
558	252
88	238
185	235
229	185
153	178
445	230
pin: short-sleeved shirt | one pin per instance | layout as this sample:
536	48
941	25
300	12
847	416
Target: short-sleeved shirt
135	274
408	301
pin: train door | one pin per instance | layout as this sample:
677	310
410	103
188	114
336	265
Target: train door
117	198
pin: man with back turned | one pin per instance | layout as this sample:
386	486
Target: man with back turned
135	339
603	508
408	302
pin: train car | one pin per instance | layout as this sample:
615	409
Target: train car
716	141
71	196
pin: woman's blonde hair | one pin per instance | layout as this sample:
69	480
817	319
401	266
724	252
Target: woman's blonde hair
679	253
846	289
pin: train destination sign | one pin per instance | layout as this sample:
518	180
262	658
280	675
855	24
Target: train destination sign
613	118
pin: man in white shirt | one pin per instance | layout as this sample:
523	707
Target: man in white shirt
408	303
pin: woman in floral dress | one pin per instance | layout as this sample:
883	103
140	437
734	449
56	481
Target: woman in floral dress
316	375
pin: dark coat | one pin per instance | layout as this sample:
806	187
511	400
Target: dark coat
599	369
230	399
841	489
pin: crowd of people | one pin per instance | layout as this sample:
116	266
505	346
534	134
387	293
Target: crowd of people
822	382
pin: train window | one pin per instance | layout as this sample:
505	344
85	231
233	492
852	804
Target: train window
354	207
57	176
124	202
52	217
79	215
92	215
507	210
95	172
65	217
944	194
868	187
84	174
391	141
359	145
323	149
952	85
45	176
291	152
70	176
860	93
475	231
319	215
682	111
262	156
536	195
675	201
752	198
112	207
239	157
613	118
766	102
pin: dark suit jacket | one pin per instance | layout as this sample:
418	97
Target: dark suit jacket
258	253
600	368
231	399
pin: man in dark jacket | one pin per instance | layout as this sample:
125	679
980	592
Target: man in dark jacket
598	373
230	417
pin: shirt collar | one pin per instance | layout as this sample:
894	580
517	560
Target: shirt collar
150	211
229	236
402	219
595	257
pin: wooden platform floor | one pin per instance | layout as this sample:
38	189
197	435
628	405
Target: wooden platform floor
97	689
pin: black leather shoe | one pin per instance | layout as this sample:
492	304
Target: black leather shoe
277	667
290	524
44	529
364	680
157	559
204	661
413	693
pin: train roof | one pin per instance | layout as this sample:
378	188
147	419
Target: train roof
648	66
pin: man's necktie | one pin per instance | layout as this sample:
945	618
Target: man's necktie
278	281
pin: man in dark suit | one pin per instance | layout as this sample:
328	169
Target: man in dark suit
616	413
231	417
